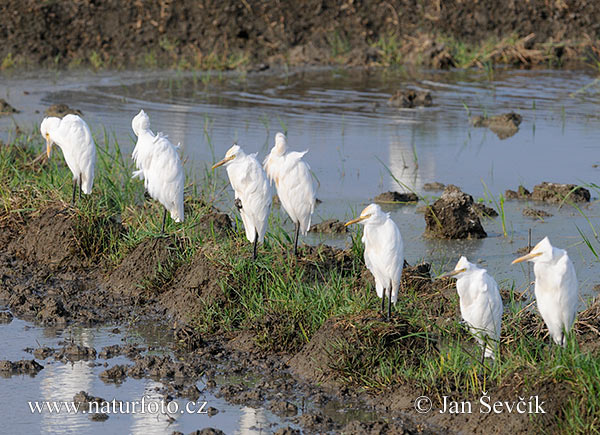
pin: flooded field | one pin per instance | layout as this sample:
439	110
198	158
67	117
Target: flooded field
359	146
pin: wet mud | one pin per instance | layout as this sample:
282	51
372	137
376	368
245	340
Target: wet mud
504	126
454	216
396	197
410	98
329	226
6	109
551	193
60	110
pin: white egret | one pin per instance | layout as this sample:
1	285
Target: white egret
74	138
480	304
384	252
555	287
252	192
294	183
160	167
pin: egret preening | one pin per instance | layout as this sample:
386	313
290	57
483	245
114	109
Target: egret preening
480	304
160	167
384	252
555	287
74	138
294	183
252	192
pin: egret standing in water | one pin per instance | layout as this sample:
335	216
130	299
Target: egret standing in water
252	192
294	183
480	304
384	252
160	167
555	287
74	138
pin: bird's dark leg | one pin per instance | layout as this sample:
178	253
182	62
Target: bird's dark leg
483	353
296	239
162	231
79	187
74	190
383	302
255	244
389	303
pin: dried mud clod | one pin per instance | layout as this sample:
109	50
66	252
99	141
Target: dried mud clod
396	197
60	110
6	109
410	98
329	226
552	193
536	213
484	211
452	217
23	367
433	186
504	126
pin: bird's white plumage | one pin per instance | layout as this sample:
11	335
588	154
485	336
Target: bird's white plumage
251	187
74	138
293	180
556	288
480	304
159	165
384	250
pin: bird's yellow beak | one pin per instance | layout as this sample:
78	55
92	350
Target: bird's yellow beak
526	257
48	145
222	162
451	273
357	220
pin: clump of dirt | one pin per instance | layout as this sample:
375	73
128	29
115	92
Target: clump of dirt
283	408
194	285
60	110
5	317
452	217
43	352
65	238
536	213
483	210
84	398
144	268
23	367
505	125
216	223
409	98
330	226
115	374
552	193
6	109
521	193
436	185
396	197
75	352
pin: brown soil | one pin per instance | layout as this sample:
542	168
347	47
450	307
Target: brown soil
436	185
552	193
330	226
315	31
453	217
504	126
536	213
60	110
409	99
6	109
396	197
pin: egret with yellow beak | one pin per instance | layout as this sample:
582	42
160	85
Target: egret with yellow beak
384	252
252	192
480	304
556	289
74	138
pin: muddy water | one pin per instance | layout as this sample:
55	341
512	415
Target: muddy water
59	382
355	141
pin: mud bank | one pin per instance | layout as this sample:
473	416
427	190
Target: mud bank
254	36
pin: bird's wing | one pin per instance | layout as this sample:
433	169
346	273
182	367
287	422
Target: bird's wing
297	190
569	298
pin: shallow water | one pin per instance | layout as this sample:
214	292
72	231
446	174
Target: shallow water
59	382
354	137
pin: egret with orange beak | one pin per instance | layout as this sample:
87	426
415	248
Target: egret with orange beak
252	192
384	252
74	138
556	289
480	304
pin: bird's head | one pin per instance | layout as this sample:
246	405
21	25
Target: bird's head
463	266
49	124
370	214
140	122
280	143
542	252
230	155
